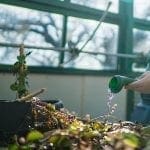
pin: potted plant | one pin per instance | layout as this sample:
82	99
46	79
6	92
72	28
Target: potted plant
17	115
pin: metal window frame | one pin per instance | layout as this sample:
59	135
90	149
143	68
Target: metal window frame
124	19
66	9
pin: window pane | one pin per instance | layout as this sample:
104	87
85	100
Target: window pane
141	41
141	44
142	9
99	4
31	27
105	40
36	58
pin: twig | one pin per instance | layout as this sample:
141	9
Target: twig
29	96
98	25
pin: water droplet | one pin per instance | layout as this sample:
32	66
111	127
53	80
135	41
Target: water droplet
111	107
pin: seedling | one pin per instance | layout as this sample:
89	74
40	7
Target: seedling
20	70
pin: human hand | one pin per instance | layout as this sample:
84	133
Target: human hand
142	84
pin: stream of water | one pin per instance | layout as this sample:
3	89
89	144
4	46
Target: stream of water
111	107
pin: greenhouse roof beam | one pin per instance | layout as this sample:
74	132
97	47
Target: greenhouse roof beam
65	8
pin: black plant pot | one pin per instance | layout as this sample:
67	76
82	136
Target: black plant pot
17	118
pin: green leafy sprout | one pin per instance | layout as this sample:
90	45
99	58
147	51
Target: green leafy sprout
20	70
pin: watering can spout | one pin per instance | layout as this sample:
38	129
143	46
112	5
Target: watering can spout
117	82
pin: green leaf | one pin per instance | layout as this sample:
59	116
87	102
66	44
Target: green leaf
21	59
90	134
131	140
14	87
146	130
60	141
15	67
98	126
54	139
13	147
28	53
34	136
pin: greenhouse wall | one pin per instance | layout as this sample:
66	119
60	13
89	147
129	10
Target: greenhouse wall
80	94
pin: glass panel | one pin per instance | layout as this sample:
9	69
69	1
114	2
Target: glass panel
141	44
31	27
142	9
105	41
99	4
36	58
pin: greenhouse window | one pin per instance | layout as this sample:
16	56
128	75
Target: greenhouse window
105	40
43	29
98	4
141	9
141	46
30	27
56	31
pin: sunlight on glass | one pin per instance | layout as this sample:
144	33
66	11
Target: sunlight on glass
141	41
141	44
30	27
105	40
142	9
99	4
45	58
36	58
